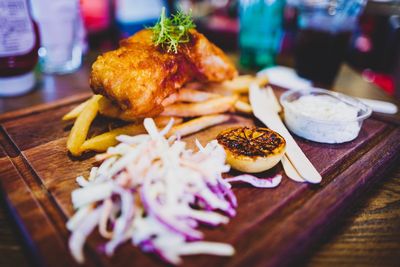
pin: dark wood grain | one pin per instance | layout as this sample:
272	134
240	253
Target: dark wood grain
11	251
38	229
369	232
41	177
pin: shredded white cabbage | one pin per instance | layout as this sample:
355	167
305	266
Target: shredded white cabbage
155	192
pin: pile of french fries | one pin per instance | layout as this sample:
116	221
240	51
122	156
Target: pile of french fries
195	107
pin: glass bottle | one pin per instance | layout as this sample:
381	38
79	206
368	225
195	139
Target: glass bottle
260	33
19	43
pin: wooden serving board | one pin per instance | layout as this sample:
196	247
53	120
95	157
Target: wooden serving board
273	227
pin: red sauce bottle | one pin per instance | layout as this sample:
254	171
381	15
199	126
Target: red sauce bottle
19	43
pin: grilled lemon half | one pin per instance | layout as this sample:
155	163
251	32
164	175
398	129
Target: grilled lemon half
252	149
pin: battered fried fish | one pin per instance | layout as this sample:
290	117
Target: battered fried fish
138	76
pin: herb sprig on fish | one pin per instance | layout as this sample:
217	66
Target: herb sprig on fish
170	32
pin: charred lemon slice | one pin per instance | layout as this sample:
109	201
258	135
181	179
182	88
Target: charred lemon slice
252	149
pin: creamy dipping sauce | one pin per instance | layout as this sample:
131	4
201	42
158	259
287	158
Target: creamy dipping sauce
322	118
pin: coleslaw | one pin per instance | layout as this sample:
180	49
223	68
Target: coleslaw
154	192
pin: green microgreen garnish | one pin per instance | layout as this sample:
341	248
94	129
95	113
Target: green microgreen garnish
170	32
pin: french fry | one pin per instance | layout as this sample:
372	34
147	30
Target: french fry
170	100
198	124
244	98
240	84
81	126
243	107
262	80
209	107
161	121
189	95
101	142
74	113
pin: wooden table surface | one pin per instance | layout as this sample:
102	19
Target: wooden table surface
367	235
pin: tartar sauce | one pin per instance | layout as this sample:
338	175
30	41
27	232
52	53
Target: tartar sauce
322	118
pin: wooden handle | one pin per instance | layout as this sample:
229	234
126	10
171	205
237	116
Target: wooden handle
291	171
262	110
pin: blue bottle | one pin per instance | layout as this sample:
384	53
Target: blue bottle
260	32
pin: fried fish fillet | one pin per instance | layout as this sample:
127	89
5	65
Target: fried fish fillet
138	76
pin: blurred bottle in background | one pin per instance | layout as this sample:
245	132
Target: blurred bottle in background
325	29
61	30
375	45
216	19
260	26
395	24
98	20
19	43
133	15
